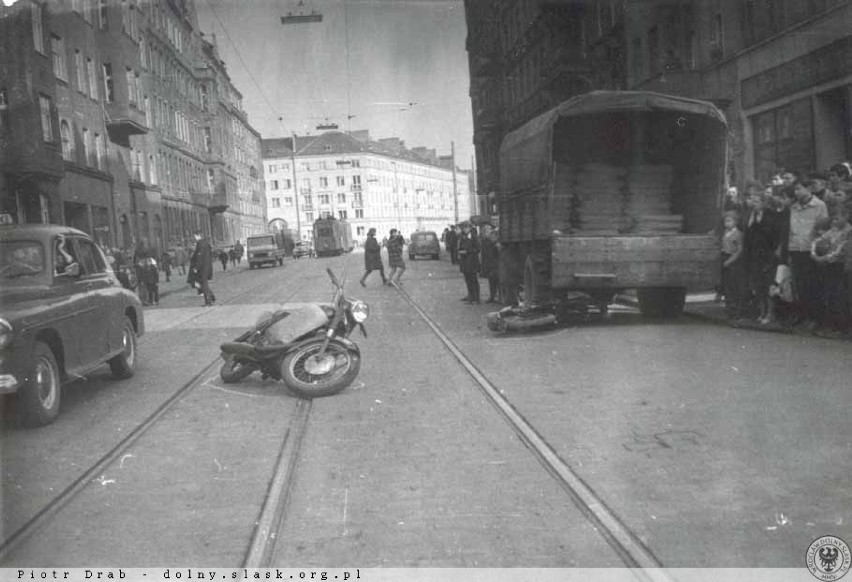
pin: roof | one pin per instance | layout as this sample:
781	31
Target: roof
337	143
525	152
36	231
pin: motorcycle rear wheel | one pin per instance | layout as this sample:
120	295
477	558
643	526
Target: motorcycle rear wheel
233	371
302	383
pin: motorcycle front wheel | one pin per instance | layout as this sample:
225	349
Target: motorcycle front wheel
310	375
233	371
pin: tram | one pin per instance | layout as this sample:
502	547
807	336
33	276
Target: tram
332	236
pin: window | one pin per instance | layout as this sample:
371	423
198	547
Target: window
272	168
45	105
324	199
109	89
341	181
57	48
341	214
143	53
131	86
67	140
38	30
288	201
360	230
276	203
359	213
86	146
153	169
149	118
100	146
205	100
208	140
211	178
103	14
309	216
287	184
273	185
323	182
4	109
93	82
356	182
90	257
341	198
80	66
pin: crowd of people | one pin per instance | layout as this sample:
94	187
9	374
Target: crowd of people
477	255
787	252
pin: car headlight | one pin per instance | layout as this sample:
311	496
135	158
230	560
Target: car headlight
6	335
360	311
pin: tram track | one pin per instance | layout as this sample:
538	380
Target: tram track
44	516
627	545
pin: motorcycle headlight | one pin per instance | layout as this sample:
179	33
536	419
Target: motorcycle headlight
360	311
6	335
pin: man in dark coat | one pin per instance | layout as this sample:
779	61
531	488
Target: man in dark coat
469	260
202	266
451	244
372	258
490	262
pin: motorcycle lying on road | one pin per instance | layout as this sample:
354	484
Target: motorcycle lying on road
306	346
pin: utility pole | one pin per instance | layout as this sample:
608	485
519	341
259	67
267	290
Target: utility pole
455	185
296	189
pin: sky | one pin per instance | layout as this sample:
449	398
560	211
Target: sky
406	74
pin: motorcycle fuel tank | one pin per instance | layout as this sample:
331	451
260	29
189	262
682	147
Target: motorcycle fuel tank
299	321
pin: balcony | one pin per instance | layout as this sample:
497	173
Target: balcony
305	191
356	187
218	203
123	120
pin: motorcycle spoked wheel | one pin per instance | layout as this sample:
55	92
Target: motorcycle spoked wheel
233	371
341	363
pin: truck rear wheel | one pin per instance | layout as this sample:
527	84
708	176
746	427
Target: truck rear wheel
661	302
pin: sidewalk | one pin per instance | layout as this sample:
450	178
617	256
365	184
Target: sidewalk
178	280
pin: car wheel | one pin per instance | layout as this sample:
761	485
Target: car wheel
124	364
39	398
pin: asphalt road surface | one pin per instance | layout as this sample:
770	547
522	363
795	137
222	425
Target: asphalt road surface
614	442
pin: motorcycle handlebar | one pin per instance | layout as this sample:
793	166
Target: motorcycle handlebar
332	277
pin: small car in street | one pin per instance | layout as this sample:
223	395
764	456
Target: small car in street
424	243
63	313
303	249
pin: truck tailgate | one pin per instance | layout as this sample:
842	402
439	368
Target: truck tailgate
623	262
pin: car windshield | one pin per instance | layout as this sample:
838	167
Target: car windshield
260	241
21	258
424	237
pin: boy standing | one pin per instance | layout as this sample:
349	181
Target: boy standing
733	267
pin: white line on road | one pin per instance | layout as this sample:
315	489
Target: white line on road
623	541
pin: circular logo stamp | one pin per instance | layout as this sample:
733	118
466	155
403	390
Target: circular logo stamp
828	558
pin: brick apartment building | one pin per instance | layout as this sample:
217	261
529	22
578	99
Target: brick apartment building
120	119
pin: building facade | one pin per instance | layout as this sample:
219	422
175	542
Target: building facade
780	70
130	128
527	56
372	184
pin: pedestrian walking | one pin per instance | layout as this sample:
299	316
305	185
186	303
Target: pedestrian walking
468	252
182	259
490	259
232	256
395	245
239	250
223	258
372	258
151	276
166	265
201	266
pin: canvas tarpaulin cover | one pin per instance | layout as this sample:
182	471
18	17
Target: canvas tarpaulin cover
526	153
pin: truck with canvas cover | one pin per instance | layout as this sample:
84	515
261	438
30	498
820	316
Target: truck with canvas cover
268	248
613	191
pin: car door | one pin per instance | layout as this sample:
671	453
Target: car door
94	315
